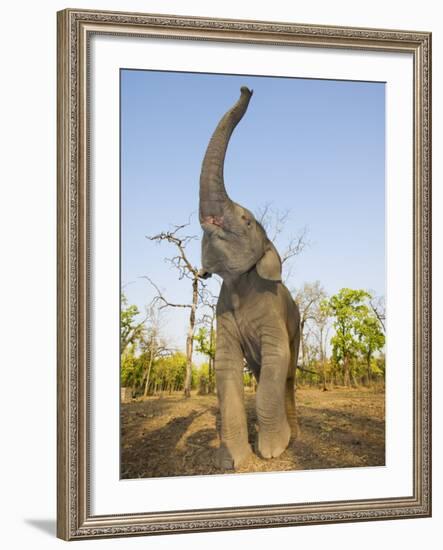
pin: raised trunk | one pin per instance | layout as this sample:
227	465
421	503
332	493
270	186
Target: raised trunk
213	196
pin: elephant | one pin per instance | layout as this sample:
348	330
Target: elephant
257	319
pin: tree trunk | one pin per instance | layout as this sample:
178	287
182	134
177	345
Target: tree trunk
302	342
323	370
323	361
346	374
354	380
148	374
211	375
134	387
211	367
368	358
190	338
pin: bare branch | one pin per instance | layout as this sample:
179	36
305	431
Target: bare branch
160	297
124	285
379	308
272	220
262	214
295	246
307	370
181	261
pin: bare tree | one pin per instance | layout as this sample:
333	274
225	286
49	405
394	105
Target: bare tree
275	221
308	299
186	270
378	306
311	352
152	345
207	321
320	332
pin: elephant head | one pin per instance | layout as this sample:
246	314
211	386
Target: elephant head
234	242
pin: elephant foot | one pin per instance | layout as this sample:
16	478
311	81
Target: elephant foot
233	457
273	444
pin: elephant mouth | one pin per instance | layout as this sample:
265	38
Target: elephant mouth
213	220
219	227
213	224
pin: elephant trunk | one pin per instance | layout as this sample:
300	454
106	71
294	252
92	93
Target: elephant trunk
213	196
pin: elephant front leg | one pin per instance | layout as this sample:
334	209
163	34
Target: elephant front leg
290	391
234	447
274	431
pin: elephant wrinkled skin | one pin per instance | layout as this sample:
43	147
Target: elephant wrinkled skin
257	319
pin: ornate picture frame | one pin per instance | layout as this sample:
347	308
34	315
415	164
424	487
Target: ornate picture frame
76	28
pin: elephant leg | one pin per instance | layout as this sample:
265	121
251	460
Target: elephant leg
290	394
274	431
234	447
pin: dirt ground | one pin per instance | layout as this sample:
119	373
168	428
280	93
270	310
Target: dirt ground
174	436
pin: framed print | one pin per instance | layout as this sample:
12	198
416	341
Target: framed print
243	274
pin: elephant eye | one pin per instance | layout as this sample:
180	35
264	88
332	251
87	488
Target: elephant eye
248	221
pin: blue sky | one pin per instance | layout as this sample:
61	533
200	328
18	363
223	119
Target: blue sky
313	147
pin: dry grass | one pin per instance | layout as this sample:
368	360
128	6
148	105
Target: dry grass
174	436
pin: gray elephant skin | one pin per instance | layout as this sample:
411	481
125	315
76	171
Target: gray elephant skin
257	319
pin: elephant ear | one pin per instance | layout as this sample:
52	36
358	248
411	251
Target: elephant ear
269	265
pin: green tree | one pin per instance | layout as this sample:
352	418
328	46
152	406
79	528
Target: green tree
131	371
205	342
130	330
205	339
371	339
201	379
320	332
349	308
168	373
248	378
